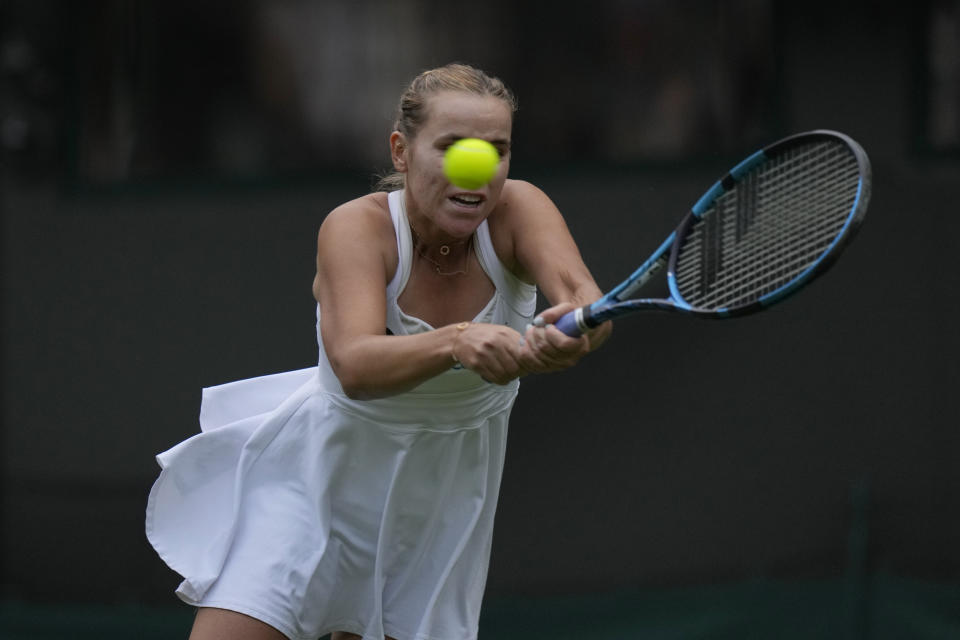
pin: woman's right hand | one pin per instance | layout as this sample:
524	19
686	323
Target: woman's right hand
491	351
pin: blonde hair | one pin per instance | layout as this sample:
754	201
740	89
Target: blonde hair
412	110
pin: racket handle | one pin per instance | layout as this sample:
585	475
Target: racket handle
575	323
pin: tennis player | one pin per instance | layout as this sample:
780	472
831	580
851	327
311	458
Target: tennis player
357	497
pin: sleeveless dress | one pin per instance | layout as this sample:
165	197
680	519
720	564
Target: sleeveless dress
313	512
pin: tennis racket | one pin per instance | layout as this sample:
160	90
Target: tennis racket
770	226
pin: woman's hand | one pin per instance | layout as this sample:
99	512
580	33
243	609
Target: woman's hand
547	348
493	352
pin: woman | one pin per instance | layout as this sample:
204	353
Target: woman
357	497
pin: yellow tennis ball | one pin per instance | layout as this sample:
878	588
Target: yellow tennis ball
470	163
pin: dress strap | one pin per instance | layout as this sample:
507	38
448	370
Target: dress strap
519	296
401	229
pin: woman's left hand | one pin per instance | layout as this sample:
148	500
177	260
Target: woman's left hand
547	349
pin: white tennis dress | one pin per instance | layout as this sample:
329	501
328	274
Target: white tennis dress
313	512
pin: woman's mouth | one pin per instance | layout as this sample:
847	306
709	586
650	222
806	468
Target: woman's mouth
467	200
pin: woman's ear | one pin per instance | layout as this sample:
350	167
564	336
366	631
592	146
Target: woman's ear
398	151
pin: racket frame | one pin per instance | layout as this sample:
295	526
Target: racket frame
617	301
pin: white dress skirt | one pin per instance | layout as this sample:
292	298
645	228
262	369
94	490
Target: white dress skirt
316	513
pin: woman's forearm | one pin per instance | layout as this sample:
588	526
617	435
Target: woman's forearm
377	366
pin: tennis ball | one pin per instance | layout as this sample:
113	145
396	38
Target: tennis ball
470	163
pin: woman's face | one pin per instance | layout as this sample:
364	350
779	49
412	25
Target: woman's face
439	209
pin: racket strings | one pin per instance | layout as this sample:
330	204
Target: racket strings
757	254
755	268
777	222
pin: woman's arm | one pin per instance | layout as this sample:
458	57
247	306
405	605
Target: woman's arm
546	254
356	258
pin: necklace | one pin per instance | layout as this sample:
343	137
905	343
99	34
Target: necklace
444	251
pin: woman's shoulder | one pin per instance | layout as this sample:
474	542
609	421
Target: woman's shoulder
365	217
369	213
519	201
362	225
371	208
520	191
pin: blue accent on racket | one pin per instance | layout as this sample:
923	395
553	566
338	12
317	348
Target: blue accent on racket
774	223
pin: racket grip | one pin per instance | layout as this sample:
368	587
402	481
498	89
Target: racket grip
574	323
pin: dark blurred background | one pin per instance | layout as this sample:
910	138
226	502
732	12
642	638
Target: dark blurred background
165	167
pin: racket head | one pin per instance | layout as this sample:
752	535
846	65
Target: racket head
770	226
